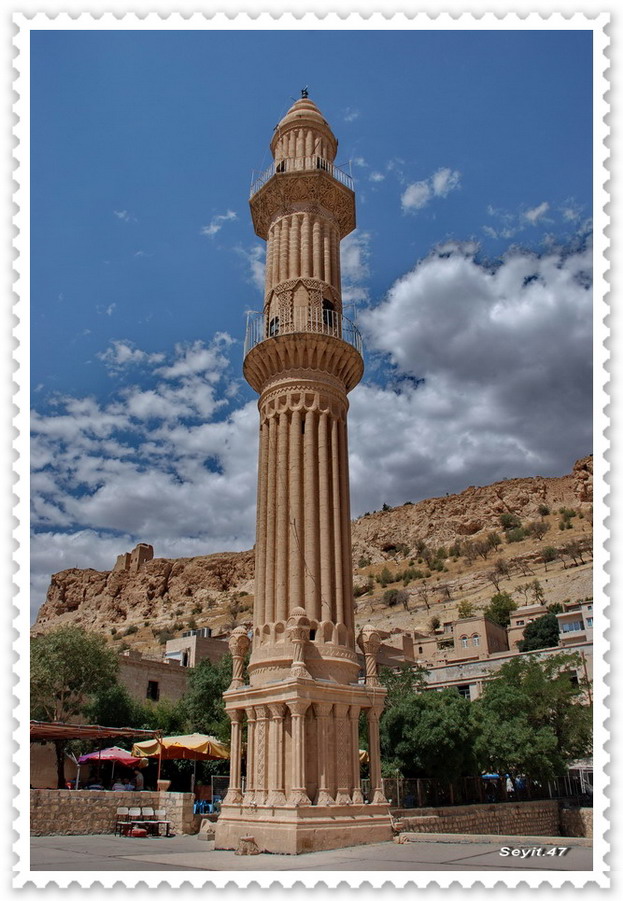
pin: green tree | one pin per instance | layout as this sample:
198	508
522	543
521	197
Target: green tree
429	734
531	719
500	608
203	705
112	705
540	633
548	555
465	609
509	521
68	666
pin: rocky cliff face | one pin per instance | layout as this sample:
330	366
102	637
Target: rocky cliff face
216	590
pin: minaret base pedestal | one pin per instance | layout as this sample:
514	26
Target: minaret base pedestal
299	830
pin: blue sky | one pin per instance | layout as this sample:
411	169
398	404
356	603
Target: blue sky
470	269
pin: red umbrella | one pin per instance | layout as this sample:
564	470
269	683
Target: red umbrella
112	755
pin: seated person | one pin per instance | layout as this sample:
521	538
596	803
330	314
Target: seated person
94	785
127	785
118	786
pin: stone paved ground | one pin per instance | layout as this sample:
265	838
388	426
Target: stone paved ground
187	852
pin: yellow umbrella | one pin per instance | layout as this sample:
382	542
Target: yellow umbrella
182	747
364	757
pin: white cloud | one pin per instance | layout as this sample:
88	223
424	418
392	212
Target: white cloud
377	176
124	216
359	161
124	353
505	356
255	258
537	213
351	114
418	194
355	266
217	222
444	181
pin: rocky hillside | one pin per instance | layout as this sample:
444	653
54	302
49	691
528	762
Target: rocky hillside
141	606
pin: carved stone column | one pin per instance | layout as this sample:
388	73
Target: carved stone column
259	754
248	799
276	796
370	641
234	792
239	644
376	785
343	768
298	793
322	712
353	714
298	633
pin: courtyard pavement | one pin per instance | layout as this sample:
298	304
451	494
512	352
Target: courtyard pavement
187	852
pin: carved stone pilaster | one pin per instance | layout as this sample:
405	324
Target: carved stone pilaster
370	642
298	633
276	794
322	712
239	645
234	792
343	768
298	794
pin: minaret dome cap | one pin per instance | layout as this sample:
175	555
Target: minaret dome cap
304	113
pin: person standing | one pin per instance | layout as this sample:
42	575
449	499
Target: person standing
139	782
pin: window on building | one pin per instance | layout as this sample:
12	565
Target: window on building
153	691
475	640
420	651
281	166
448	627
273	327
464	691
589	622
464	641
185	658
520	622
575	626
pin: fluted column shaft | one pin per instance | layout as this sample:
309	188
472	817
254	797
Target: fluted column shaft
312	537
281	558
343	766
234	793
260	751
374	741
353	714
325	517
298	795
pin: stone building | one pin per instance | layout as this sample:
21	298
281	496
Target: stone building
302	704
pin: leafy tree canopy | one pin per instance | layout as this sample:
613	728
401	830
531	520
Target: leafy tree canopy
500	608
203	705
540	633
67	667
531	719
429	734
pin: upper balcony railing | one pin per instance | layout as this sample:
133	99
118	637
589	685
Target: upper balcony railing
300	164
323	322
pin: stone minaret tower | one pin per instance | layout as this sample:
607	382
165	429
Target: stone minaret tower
302	788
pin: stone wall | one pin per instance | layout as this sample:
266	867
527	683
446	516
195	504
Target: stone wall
577	822
525	818
54	812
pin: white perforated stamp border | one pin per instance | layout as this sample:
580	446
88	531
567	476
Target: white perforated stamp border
597	23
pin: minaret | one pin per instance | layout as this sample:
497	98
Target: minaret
302	705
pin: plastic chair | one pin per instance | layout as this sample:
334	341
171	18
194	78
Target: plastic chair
122	822
162	821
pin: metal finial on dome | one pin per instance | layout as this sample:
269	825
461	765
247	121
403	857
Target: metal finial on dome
305	92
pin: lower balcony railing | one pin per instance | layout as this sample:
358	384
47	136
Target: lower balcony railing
260	327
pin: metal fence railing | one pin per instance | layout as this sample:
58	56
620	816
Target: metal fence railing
260	327
301	164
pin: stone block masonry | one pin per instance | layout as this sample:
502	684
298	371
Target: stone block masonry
525	818
577	822
56	812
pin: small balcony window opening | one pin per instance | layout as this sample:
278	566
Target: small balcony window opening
273	327
328	312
